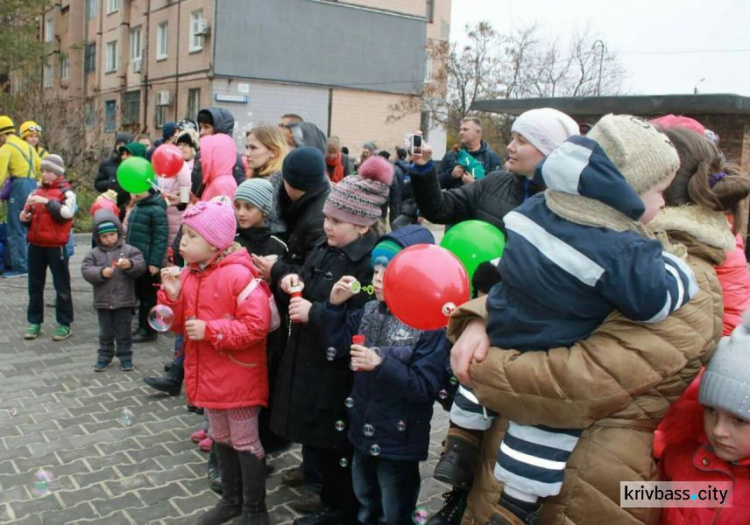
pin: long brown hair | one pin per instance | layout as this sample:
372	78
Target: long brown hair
704	177
272	138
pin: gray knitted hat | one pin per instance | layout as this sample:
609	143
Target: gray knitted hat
726	382
258	192
54	163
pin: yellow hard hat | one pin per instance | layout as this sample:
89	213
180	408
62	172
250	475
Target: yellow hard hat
30	127
6	124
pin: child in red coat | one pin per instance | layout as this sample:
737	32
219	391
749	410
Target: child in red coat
721	451
224	312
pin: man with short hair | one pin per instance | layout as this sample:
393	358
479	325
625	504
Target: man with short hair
19	161
299	133
452	174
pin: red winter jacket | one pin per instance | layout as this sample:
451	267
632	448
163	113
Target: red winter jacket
228	368
694	461
51	223
735	283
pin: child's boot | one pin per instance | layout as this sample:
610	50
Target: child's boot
512	511
254	510
453	508
230	505
458	462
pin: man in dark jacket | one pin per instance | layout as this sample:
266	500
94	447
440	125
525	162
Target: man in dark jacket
106	177
210	121
452	175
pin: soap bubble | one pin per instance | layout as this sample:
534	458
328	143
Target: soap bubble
40	483
160	318
443	394
375	449
343	462
340	425
349	402
401	426
419	516
126	417
331	353
368	430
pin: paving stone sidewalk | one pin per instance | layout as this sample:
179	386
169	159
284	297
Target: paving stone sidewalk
83	447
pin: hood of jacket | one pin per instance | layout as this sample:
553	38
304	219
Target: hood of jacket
579	166
123	137
218	156
707	227
223	120
106	215
308	134
409	236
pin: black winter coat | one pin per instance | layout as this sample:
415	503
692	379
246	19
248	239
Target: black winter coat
311	390
260	241
486	155
106	179
304	221
488	199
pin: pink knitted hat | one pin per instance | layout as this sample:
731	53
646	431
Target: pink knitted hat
357	198
214	221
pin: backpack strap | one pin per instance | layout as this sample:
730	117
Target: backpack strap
249	289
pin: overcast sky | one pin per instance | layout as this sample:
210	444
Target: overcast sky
665	46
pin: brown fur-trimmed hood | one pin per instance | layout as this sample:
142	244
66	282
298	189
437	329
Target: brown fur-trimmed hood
707	227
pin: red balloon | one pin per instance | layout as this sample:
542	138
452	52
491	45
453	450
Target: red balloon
423	284
167	160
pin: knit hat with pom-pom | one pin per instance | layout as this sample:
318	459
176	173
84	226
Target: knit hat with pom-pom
357	199
726	381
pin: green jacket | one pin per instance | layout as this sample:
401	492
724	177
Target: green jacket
148	229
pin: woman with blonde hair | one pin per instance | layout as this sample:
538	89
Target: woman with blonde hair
266	149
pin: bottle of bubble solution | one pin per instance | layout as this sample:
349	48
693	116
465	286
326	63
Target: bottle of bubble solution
295	291
357	340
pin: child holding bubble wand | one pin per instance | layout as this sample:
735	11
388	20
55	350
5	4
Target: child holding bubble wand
224	312
399	373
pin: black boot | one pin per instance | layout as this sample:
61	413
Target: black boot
214	475
230	505
453	508
170	383
458	462
254	510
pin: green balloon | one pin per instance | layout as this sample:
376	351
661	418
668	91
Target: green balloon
135	175
474	242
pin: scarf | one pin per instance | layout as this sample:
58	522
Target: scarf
338	168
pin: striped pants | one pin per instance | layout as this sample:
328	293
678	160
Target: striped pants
236	427
531	460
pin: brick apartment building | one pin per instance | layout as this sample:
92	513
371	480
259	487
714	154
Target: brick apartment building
136	64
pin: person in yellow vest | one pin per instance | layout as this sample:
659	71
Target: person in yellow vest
20	163
31	132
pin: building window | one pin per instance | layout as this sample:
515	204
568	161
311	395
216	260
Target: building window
430	10
110	116
135	44
131	108
89	58
162	41
49	28
197	28
113	6
48	74
111	57
64	67
90	113
92	9
161	115
194	103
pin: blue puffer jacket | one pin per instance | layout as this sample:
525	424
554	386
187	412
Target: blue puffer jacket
392	405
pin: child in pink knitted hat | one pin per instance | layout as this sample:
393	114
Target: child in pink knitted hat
312	384
224	312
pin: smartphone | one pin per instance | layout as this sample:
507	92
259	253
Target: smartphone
416	144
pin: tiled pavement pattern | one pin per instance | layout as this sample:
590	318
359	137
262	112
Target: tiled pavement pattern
115	451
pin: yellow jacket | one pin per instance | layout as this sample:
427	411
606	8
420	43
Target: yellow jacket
15	163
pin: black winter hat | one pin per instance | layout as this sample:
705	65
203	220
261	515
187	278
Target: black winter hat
304	168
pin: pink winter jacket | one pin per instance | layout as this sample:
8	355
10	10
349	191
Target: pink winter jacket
218	157
227	369
735	283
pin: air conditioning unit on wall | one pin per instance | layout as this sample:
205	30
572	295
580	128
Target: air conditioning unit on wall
163	98
137	65
203	28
